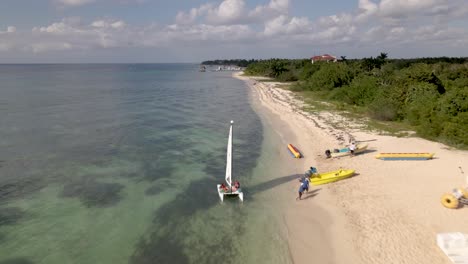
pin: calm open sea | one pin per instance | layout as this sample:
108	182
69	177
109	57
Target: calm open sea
119	164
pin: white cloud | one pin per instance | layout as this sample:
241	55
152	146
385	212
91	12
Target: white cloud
279	5
373	23
402	8
104	33
285	25
4	47
56	28
273	9
366	8
118	24
108	24
6	38
459	9
194	13
208	33
74	2
47	46
9	29
99	24
230	12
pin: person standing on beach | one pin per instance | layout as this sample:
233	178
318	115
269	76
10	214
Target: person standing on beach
304	187
352	148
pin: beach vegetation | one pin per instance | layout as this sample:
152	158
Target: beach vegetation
235	62
426	95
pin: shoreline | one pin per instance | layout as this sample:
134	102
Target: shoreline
388	213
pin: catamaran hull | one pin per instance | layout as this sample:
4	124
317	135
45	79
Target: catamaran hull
222	194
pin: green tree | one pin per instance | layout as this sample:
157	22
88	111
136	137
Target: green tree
277	67
330	76
362	90
421	102
383	56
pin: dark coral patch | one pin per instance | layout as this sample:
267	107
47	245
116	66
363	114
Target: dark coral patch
17	261
10	215
93	193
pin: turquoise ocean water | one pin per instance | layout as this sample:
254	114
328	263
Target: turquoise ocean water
119	163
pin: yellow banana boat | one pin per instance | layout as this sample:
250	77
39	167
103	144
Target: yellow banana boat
332	176
405	156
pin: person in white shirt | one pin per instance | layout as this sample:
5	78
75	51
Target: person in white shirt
352	148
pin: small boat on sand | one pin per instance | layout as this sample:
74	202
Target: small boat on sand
332	176
345	151
405	156
294	151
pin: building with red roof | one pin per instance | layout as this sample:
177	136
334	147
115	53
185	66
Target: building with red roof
324	57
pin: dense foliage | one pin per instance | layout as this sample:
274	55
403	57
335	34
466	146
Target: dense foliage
237	62
429	93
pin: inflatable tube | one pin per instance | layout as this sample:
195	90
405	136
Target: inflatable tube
294	151
448	200
405	156
463	191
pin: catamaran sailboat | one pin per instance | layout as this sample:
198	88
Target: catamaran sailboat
229	189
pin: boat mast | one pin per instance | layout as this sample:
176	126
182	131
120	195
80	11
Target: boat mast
229	159
232	124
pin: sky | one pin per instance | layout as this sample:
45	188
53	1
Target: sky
132	31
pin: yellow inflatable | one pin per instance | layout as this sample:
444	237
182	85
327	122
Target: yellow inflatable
449	200
294	151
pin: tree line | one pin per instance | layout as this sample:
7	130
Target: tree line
430	94
236	62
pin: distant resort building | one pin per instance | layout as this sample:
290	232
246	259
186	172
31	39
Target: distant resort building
324	57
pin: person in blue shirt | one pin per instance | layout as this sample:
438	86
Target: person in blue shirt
303	188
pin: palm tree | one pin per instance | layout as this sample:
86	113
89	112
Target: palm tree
382	56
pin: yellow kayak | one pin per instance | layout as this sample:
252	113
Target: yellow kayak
332	176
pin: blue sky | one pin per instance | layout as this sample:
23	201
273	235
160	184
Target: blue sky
196	30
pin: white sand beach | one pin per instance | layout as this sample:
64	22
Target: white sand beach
390	212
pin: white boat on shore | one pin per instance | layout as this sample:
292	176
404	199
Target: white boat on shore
228	189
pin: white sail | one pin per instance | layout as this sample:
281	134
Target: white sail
229	158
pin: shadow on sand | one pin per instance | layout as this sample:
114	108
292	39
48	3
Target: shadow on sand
273	183
282	180
367	151
368	140
310	194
